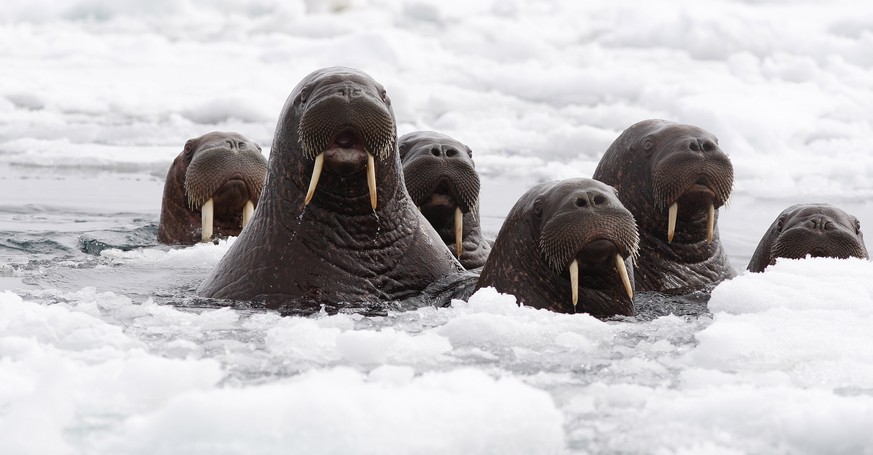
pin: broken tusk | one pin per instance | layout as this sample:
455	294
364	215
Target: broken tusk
248	210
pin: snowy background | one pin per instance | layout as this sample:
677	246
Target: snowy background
99	354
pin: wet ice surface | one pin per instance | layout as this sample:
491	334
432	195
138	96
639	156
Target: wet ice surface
103	348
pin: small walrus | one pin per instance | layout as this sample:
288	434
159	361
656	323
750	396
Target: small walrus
816	230
442	181
567	246
212	188
335	225
673	178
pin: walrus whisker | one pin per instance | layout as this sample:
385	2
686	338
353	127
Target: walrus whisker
206	218
248	211
710	223
459	230
574	281
671	221
622	272
371	179
316	174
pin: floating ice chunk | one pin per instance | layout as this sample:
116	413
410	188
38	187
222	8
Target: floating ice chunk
339	411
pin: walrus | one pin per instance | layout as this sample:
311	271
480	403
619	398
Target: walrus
567	246
816	230
442	181
212	188
673	178
335	226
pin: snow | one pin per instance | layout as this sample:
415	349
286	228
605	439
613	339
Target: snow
110	354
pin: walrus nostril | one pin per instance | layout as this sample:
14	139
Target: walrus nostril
450	152
435	151
694	146
599	199
581	202
708	146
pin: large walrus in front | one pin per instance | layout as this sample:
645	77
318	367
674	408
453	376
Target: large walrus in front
673	178
334	224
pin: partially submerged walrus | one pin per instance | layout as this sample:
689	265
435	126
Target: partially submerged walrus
673	178
212	189
566	246
816	230
334	225
442	181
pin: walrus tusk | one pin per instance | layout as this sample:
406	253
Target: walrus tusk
574	281
206	215
316	174
248	210
622	272
371	179
710	223
671	221
459	231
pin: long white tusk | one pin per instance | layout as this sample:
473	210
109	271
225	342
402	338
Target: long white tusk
206	216
622	272
316	174
371	179
248	210
459	231
671	221
574	281
710	223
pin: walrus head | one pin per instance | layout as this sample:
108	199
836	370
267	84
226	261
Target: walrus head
673	178
335	227
339	125
816	230
212	187
566	246
442	181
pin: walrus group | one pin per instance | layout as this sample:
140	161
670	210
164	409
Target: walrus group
345	213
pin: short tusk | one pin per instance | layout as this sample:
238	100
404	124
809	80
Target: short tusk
574	281
622	272
371	179
710	223
459	231
316	174
248	211
206	217
671	221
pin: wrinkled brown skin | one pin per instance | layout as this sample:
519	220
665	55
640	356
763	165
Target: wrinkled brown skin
337	250
653	164
440	176
225	166
552	224
816	230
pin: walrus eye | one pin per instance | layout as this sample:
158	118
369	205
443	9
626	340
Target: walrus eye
189	149
538	207
384	95
779	224
857	227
